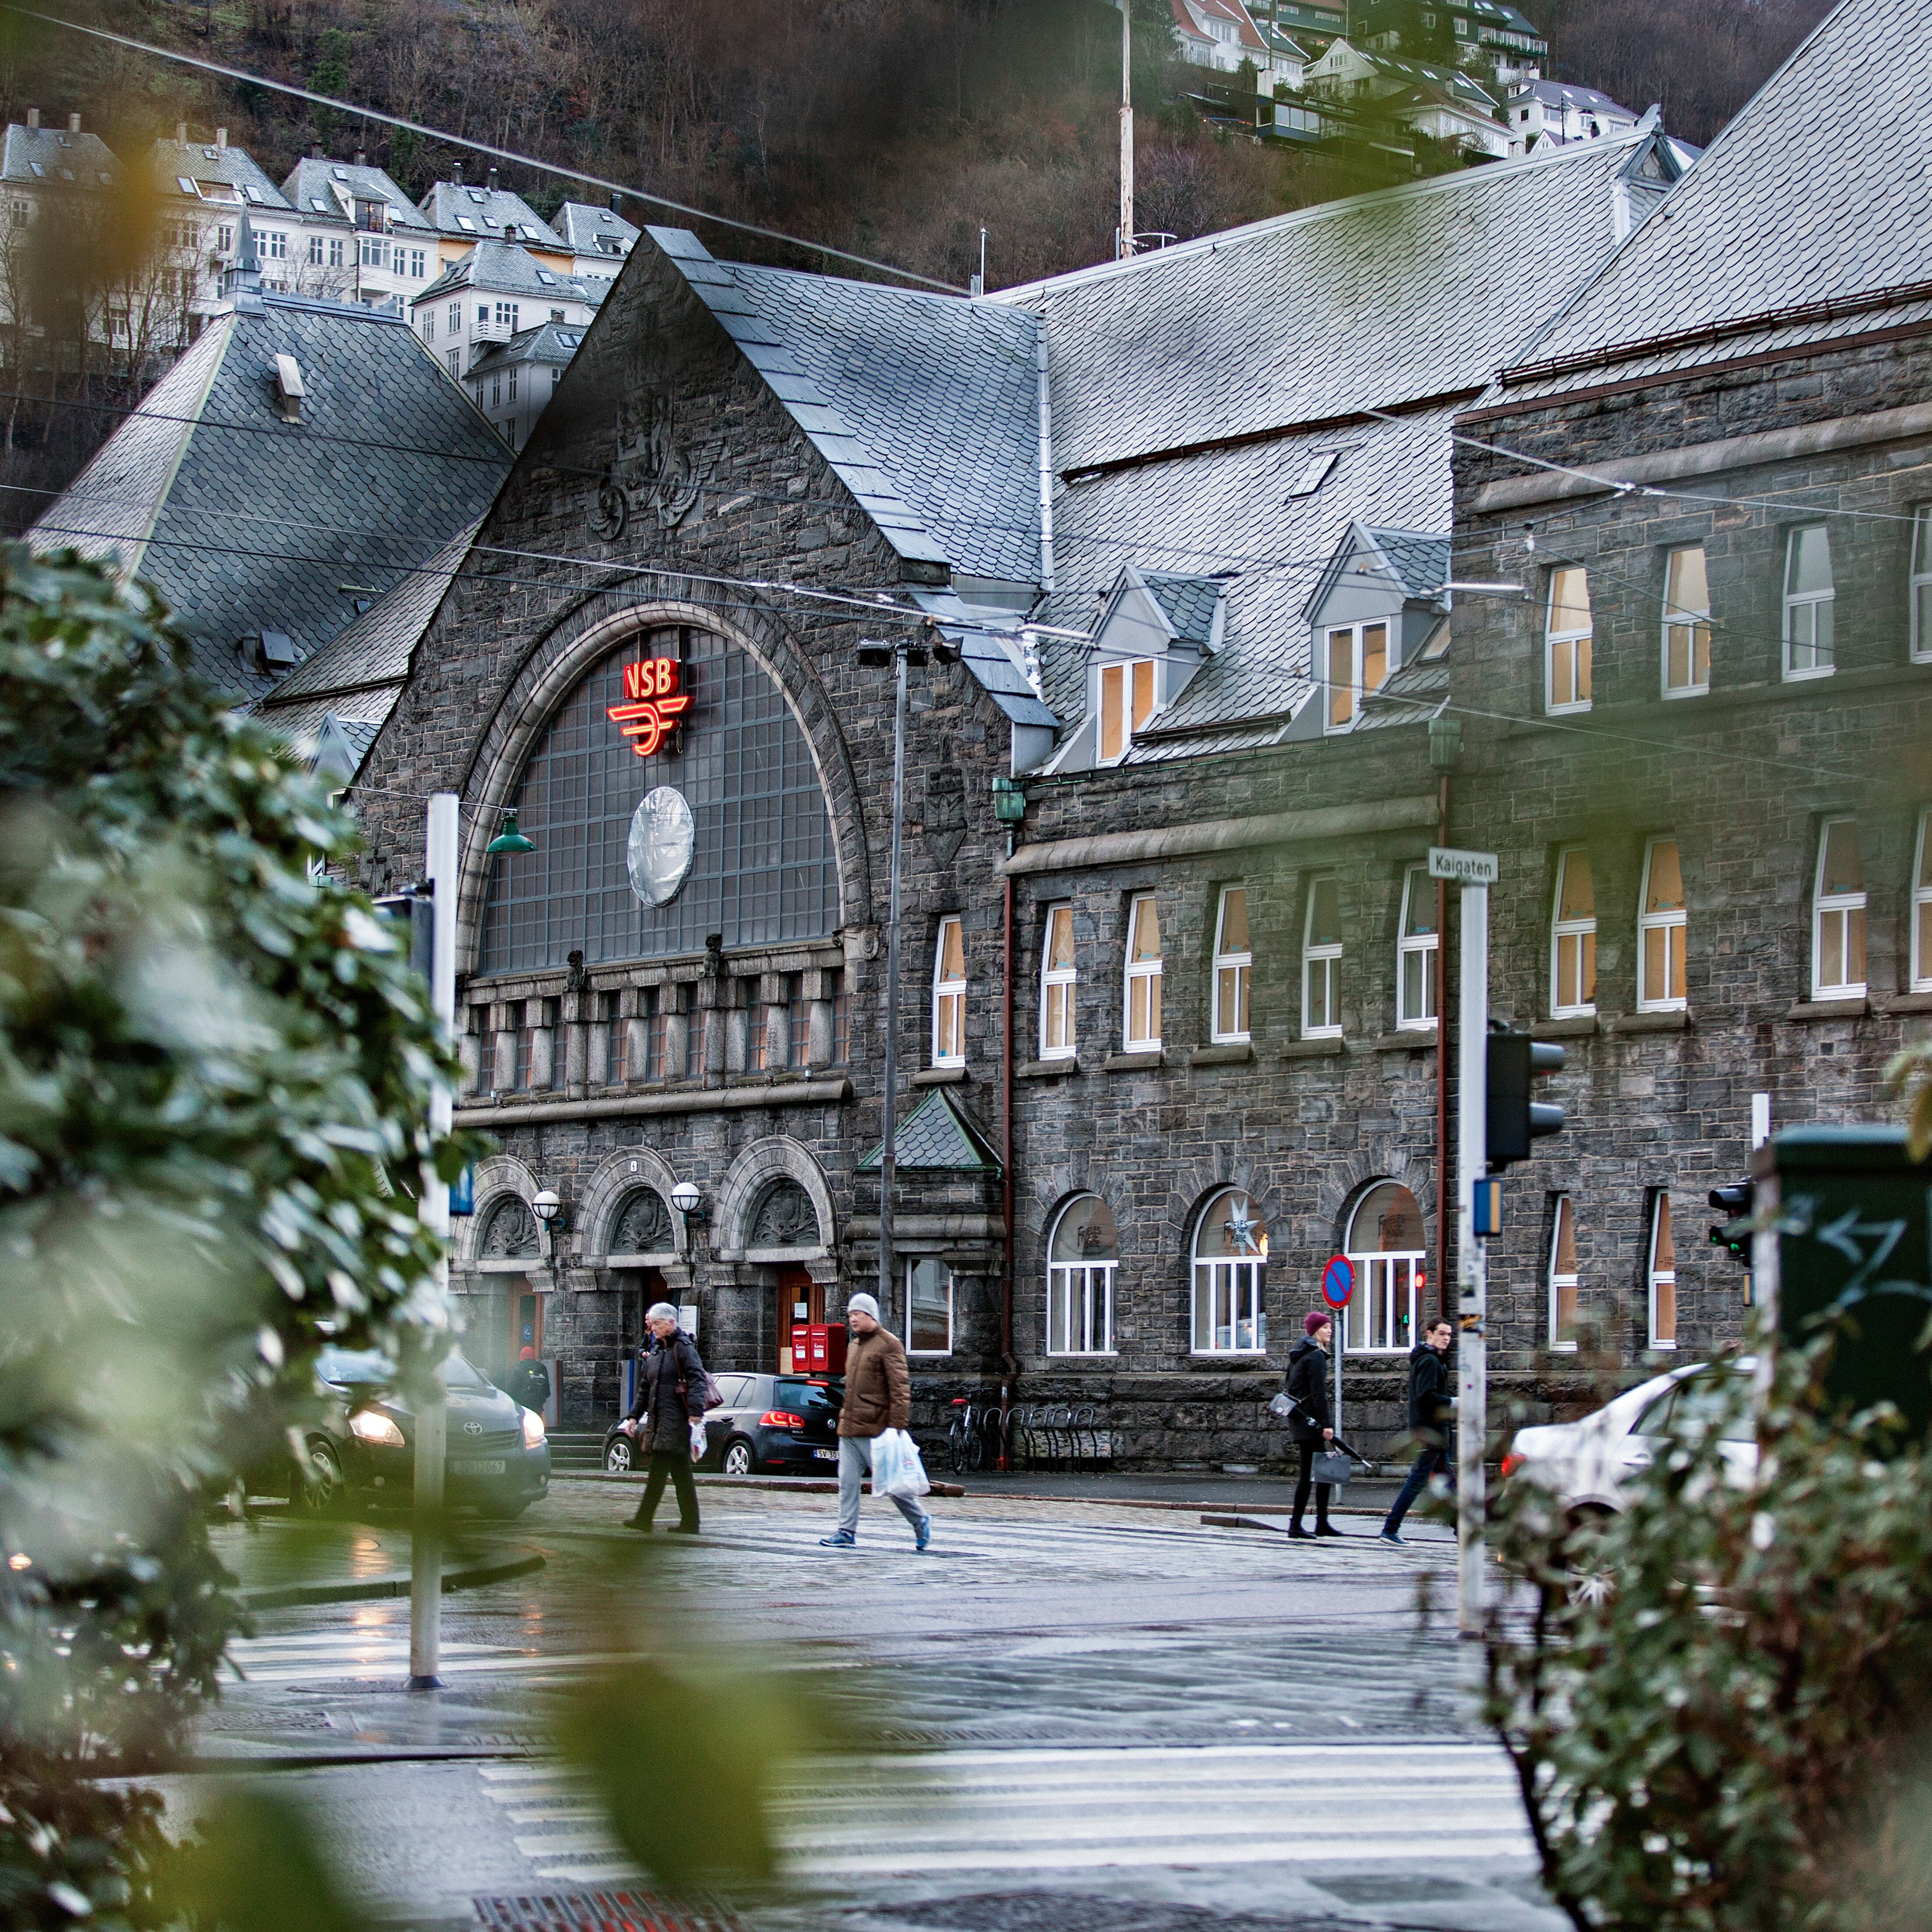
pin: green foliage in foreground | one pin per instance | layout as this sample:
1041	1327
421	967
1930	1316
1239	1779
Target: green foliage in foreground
215	1071
1720	1709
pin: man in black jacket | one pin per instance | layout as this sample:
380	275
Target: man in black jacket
1432	1410
670	1399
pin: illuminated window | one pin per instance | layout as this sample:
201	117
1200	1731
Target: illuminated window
1058	984
1357	662
1233	962
1230	1247
1663	1272
1662	929
1686	624
1922	584
1922	908
1083	1255
1809	597
949	995
1416	952
1838	915
1563	1276
1141	1032
1126	703
1567	641
1385	1243
1321	962
1573	945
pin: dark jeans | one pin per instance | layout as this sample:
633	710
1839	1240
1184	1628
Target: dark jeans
1323	1491
675	1463
1436	1456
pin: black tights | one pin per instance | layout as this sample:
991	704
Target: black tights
1323	1491
675	1463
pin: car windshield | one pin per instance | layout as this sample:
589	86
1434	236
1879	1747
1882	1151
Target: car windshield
803	1397
1697	1403
458	1374
354	1366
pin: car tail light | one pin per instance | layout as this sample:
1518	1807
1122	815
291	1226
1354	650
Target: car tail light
1513	1462
780	1418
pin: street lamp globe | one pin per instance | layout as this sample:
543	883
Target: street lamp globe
547	1207
684	1197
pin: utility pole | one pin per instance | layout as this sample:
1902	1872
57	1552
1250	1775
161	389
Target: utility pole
888	1159
1124	241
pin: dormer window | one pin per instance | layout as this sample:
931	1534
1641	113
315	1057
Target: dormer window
1127	703
1357	660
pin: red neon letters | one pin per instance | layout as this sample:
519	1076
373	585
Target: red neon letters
655	703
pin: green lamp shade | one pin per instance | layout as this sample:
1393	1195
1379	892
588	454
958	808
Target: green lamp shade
509	839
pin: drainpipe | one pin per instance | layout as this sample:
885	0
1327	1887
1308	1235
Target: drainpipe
1444	1188
1008	1360
1045	456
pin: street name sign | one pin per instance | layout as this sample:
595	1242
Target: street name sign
1462	868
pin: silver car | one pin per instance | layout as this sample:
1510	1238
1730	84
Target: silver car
1588	1463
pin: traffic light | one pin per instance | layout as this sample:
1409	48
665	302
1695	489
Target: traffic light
1734	1236
1514	1119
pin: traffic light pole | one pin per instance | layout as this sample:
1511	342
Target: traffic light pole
432	1415
1472	1384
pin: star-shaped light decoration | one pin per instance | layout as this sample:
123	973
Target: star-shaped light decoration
1243	1228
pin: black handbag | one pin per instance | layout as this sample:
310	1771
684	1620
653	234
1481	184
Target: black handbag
1332	1467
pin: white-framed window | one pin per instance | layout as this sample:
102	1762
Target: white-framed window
513	385
1127	701
1563	1276
1687	623
417	269
275	245
454	357
315	250
1234	965
429	325
1838	914
1573	938
1663	1275
335	252
1230	1247
1322	962
506	315
371	251
1140	1031
1922	906
1357	660
1922	584
1058	983
1566	647
1083	1256
1809	596
928	1306
1385	1244
949	994
1416	952
456	318
1662	929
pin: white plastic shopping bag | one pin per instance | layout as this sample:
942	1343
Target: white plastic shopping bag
699	1441
897	1470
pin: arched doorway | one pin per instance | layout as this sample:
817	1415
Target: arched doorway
1385	1243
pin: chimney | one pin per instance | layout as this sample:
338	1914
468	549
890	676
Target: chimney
459	174
73	123
493	181
181	133
315	151
362	158
33	117
221	137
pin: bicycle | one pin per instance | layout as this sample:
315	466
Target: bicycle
965	1439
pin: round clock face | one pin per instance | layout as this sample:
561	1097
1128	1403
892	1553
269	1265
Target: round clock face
664	840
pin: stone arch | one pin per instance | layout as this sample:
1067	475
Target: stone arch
776	1157
1381	1159
497	1177
563	656
620	1176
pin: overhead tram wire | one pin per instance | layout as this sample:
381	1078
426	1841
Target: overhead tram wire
509	154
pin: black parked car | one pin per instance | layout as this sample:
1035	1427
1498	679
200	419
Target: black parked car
765	1426
363	1449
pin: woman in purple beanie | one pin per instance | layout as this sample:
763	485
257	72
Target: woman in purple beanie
1312	1425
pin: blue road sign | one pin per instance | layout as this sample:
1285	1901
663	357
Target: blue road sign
1338	1281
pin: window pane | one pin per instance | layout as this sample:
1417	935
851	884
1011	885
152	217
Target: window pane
1324	916
1143	694
1415	986
1137	1011
1922	604
1663	1251
1419	905
1581	647
1921	539
1587	989
1085	1232
1059	1018
1113	711
1576	897
952	950
1060	937
1152	985
1234	920
1569	600
929	1307
1687	590
1666	880
1664	1318
1924	958
1809	566
1925	857
1841	872
1656	964
1855	947
1562	684
1375	655
1566	1236
1341	677
1228	999
1145	943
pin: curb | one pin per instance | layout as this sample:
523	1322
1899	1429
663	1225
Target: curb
803	1486
396	1583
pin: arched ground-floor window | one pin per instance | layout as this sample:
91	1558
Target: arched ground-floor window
1385	1243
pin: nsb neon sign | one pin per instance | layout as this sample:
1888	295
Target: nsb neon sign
654	704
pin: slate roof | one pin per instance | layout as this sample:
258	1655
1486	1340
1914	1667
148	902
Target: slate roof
312	180
1416	692
52	157
508	268
583	226
1188	603
553	344
1813	196
209	161
244	523
463	211
1561	94
925	406
1418	559
937	1136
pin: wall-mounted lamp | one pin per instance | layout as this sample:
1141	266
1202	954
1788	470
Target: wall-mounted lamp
1009	800
549	1210
686	1197
509	839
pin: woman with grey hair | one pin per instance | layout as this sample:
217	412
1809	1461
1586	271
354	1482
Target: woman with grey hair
670	1399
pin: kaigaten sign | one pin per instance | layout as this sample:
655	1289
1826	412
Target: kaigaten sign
654	703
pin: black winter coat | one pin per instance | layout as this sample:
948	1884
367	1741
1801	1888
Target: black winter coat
1309	1373
530	1385
670	1413
1430	1413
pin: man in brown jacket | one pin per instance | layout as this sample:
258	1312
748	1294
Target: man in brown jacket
878	1396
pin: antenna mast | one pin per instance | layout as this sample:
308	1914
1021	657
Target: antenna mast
1123	238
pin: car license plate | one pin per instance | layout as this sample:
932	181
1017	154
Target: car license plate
475	1465
827	1455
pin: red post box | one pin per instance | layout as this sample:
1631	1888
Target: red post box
818	1348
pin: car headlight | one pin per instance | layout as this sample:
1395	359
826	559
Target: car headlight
370	1425
533	1429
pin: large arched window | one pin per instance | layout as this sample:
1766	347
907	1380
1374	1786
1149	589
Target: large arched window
1083	1256
1385	1243
1231	1246
735	839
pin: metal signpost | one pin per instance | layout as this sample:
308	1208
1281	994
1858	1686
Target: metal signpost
1338	1285
1475	872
